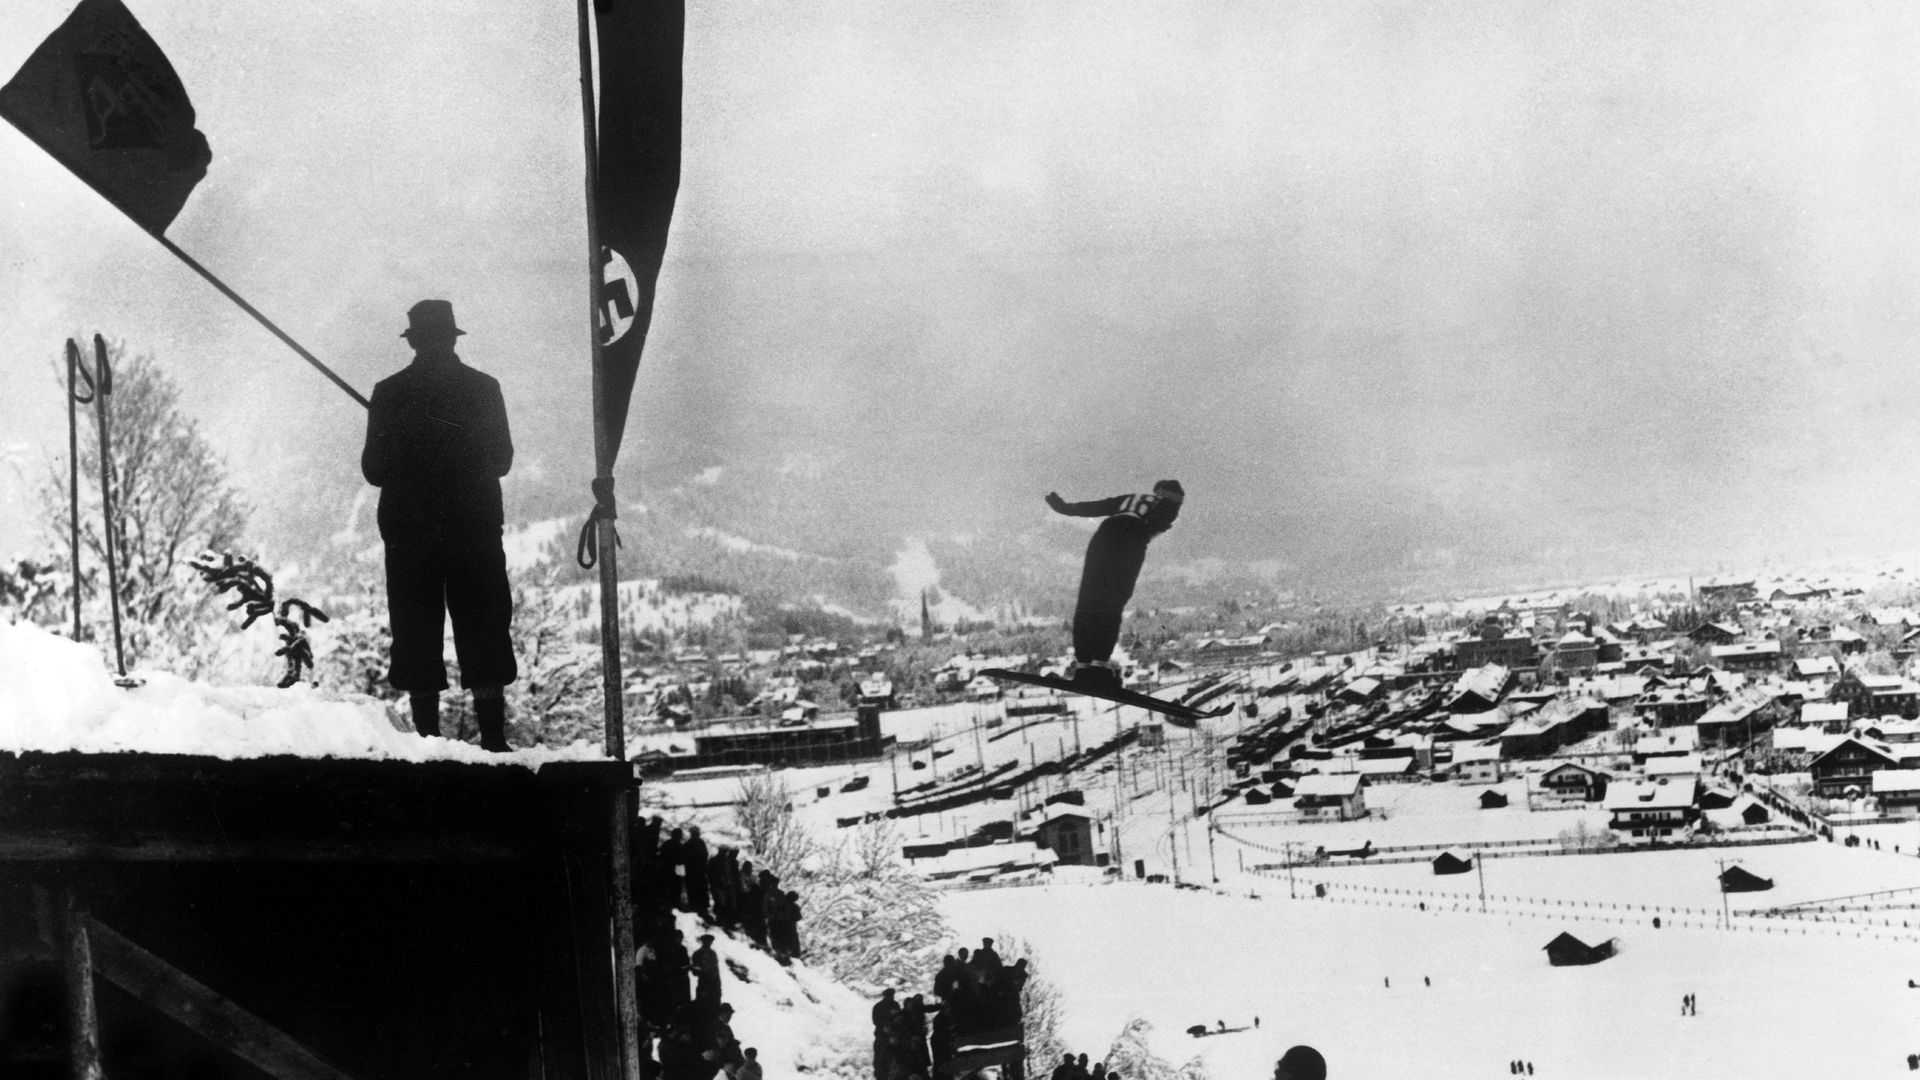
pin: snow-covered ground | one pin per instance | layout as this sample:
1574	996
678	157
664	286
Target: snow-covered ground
1351	980
56	695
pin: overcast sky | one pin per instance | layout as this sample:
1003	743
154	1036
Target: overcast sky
1393	280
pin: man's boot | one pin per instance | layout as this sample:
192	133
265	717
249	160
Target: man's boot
426	713
490	712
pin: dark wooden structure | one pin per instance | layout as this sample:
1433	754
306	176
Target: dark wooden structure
1735	879
314	919
1569	951
1448	863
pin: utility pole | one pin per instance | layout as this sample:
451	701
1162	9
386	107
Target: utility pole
1212	865
1726	910
1173	842
1480	867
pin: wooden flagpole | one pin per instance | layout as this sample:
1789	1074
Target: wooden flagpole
612	681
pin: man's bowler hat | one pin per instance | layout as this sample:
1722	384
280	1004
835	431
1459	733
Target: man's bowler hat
431	320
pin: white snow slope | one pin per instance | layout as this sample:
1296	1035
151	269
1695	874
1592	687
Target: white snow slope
1318	972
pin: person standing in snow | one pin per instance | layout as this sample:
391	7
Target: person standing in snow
673	858
437	445
694	854
1112	566
706	976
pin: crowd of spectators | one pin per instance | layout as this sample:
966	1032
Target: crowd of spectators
979	1000
686	1021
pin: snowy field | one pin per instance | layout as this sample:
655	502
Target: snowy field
1318	973
1418	814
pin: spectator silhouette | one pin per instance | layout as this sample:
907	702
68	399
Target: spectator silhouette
437	445
705	964
694	857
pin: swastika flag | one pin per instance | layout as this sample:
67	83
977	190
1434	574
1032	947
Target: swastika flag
641	43
100	96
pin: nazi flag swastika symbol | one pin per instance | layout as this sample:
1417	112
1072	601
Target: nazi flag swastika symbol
618	293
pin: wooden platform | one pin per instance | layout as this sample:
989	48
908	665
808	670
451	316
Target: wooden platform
307	918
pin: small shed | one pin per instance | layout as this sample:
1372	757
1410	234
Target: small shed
1449	863
1067	831
1491	799
1756	814
1735	879
1569	951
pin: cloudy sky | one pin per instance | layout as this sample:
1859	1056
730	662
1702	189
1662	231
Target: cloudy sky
1376	281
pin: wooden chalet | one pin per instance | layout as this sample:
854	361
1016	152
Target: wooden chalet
1573	782
1747	655
1715	634
1738	720
1847	769
1334	796
1649	811
1668	706
1876	695
323	919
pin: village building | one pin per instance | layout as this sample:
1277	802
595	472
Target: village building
1572	782
1575	652
1667	706
1867	694
1067	831
1816	669
1480	689
1738	720
1448	862
1650	811
1492	645
1831	717
1898	791
1846	770
1491	799
1715	633
1733	592
1331	796
1747	655
1559	723
1477	763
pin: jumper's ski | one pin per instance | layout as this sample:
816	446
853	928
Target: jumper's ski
1176	713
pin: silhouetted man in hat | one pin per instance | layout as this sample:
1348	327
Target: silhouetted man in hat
437	446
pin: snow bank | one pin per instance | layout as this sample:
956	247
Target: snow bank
801	1021
57	695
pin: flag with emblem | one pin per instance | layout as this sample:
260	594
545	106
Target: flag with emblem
100	96
641	42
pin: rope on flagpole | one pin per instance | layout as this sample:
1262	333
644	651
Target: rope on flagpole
587	551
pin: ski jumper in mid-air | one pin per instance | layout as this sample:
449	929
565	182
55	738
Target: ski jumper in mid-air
1114	558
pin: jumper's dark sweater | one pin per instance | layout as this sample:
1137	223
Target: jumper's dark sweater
1114	557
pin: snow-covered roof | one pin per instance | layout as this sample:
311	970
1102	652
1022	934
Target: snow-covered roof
1887	781
1677	765
1328	785
1823	712
1665	794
